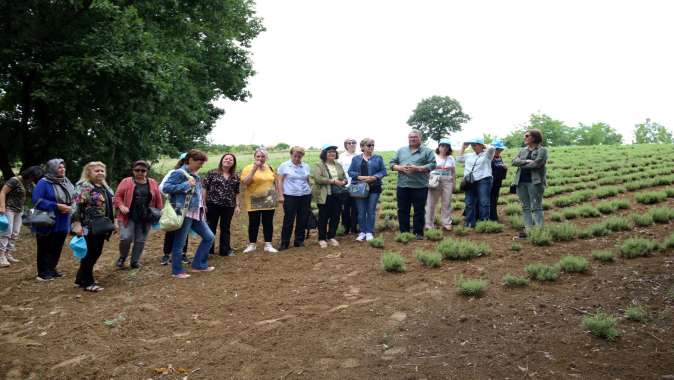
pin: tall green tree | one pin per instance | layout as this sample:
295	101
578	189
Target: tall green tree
652	133
437	116
555	132
596	134
115	80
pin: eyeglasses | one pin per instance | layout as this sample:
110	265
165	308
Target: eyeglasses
140	170
350	143
370	145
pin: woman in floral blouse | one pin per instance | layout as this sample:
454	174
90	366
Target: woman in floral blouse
93	218
221	191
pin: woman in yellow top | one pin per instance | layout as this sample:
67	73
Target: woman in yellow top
260	197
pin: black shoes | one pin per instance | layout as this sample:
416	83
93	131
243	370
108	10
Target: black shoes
120	262
165	260
419	237
229	253
298	244
57	274
135	265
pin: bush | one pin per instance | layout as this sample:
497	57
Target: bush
388	214
669	242
564	201
392	262
471	287
389	206
405	237
650	197
542	272
377	242
588	211
637	247
556	217
570	213
563	231
660	214
546	205
636	313
608	191
573	264
603	256
488	226
387	224
516	222
606	207
428	258
513	209
515	247
669	192
433	234
642	220
454	249
461	230
618	224
597	229
621	204
540	236
601	325
512	281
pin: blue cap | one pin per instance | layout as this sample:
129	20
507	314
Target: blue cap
498	144
445	141
328	146
476	140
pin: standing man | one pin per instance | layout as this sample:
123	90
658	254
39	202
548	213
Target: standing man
349	209
413	163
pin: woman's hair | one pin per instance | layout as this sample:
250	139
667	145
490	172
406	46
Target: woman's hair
261	150
365	141
449	149
324	154
87	175
32	173
232	170
297	149
194	154
536	135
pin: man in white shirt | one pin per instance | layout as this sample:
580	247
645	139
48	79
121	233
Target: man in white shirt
349	212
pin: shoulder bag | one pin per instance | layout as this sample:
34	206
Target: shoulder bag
468	180
169	219
38	218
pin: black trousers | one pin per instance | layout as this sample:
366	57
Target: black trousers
224	215
495	191
295	209
85	275
328	218
254	218
350	215
168	243
49	247
408	198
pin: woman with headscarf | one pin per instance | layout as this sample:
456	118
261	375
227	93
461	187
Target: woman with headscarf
53	193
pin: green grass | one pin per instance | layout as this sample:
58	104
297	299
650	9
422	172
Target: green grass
512	281
461	230
661	215
573	264
377	242
542	272
488	226
515	247
606	207
540	236
405	237
602	325
556	217
588	211
386	225
471	287
621	204
642	220
392	262
637	247
668	242
513	209
516	222
636	313
433	234
597	229
388	214
563	231
616	223
650	197
428	258
461	249
570	213
603	256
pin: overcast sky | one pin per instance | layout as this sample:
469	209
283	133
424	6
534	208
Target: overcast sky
331	69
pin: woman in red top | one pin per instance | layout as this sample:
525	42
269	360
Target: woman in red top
133	198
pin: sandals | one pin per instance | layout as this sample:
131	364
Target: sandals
94	288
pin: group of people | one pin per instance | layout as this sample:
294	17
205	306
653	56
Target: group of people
345	187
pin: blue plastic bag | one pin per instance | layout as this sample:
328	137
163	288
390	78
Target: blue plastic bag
4	223
79	246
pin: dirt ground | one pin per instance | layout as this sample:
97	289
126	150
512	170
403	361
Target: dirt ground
309	313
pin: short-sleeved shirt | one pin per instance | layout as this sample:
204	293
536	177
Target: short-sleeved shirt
260	194
296	178
16	198
221	191
421	156
444	166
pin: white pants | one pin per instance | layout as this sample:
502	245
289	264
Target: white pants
8	238
443	191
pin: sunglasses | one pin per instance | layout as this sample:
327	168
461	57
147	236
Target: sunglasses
140	170
527	135
370	145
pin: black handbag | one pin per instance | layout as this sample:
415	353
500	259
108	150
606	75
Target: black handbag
101	225
154	214
38	218
338	191
468	180
513	189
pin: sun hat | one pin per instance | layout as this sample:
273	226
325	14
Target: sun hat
444	141
328	146
476	140
498	144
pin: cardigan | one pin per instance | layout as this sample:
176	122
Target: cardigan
124	196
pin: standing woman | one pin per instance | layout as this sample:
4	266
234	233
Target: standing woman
478	166
328	193
221	191
133	198
184	188
55	194
169	236
293	178
93	217
369	168
530	179
499	172
12	198
444	175
260	200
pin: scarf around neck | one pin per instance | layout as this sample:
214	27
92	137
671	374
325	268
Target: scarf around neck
64	190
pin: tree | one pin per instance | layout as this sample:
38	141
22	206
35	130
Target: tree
555	132
597	134
651	133
281	146
116	81
437	116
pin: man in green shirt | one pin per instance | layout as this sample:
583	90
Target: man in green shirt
413	163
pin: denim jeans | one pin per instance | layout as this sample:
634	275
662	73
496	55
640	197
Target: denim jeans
478	201
531	197
135	233
200	260
367	207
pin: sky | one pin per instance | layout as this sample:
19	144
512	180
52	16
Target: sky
327	70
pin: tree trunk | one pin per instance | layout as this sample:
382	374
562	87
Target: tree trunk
5	166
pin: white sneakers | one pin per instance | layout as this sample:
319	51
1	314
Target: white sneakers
3	261
361	236
269	248
334	242
250	248
369	236
323	243
11	258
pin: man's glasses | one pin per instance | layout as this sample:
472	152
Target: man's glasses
350	143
